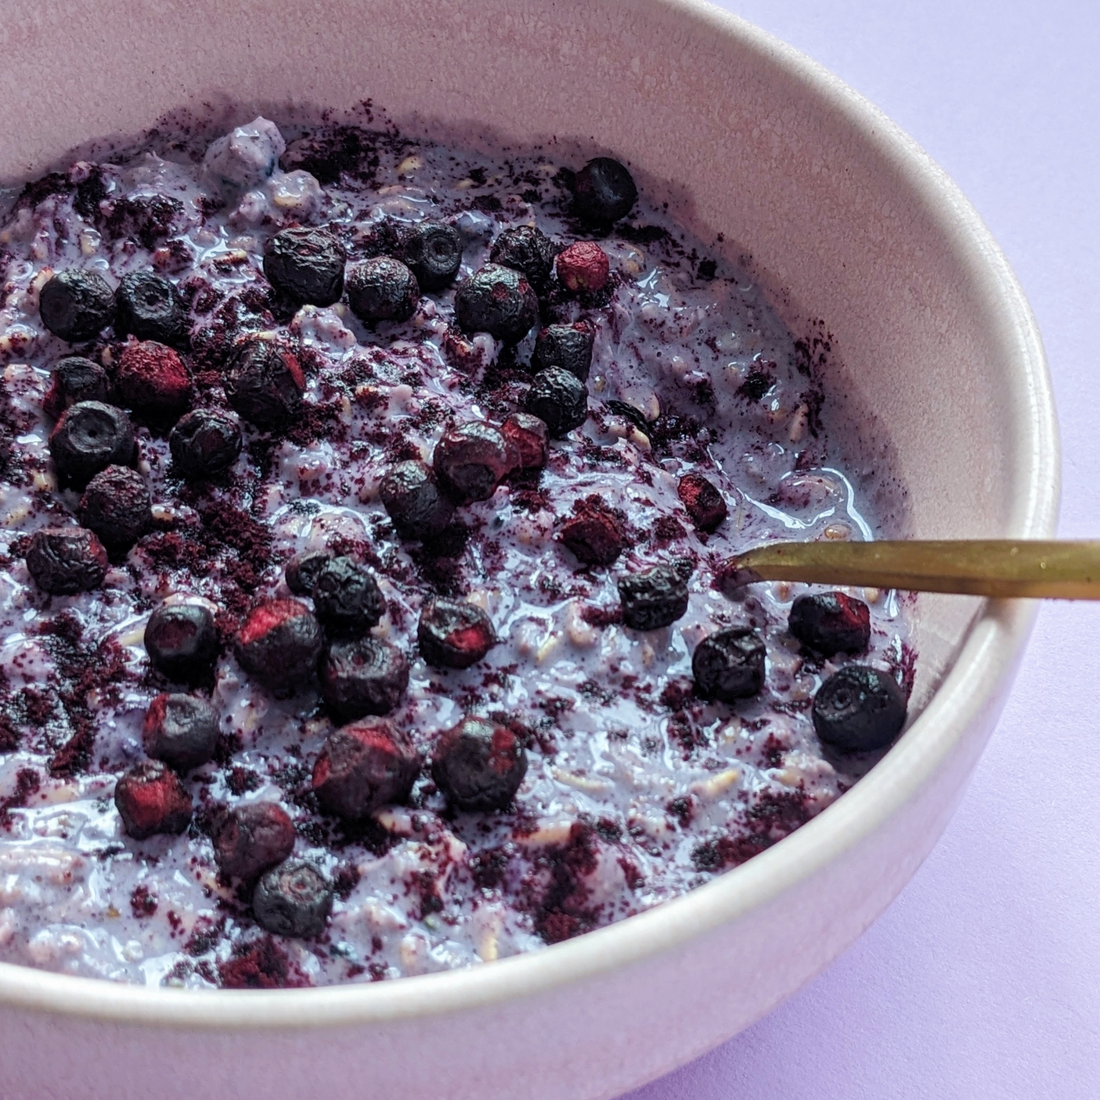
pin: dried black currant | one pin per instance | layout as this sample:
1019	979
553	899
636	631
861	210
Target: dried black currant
654	598
182	641
293	899
528	250
65	560
302	570
559	398
433	252
471	460
346	598
479	765
382	289
859	709
729	665
76	305
831	622
181	730
150	308
499	301
89	437
116	505
566	346
603	191
453	633
265	384
414	501
76	379
252	838
307	265
205	443
361	677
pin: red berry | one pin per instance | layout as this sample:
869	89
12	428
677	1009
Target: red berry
454	634
151	799
594	533
583	267
703	501
152	380
528	435
363	767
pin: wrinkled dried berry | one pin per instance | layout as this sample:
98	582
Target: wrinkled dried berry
859	709
433	252
205	443
181	730
302	570
363	767
117	507
182	641
307	265
831	622
151	379
252	838
528	250
412	498
471	460
293	899
64	560
593	533
703	501
279	644
654	598
528	436
346	598
566	346
76	305
265	384
454	634
150	308
559	398
76	379
89	437
151	799
382	289
479	765
603	191
499	301
729	665
583	267
361	677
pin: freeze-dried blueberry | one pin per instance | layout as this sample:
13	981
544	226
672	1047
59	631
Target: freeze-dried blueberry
859	709
566	346
479	765
412	497
703	501
279	643
729	665
346	598
252	838
181	730
151	799
603	191
150	308
559	398
654	598
302	570
453	633
89	437
76	379
205	443
182	641
433	252
831	622
528	436
293	899
528	250
363	767
265	384
116	505
499	301
594	533
583	267
382	289
471	460
361	677
76	305
307	265
64	560
151	379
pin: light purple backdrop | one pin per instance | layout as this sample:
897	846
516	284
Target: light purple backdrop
983	979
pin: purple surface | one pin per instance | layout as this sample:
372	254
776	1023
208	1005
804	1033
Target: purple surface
983	979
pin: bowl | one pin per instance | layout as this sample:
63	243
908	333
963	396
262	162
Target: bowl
850	224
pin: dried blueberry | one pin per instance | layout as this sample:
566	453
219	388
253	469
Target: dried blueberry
499	301
433	252
182	641
279	643
566	346
346	598
293	899
382	289
181	730
205	443
89	437
454	634
703	501
76	305
479	765
151	799
528	437
302	570
471	460
831	622
252	838
307	265
594	533
654	598
414	501
528	250
151	379
76	379
150	308
729	665
361	677
603	191
559	398
363	767
64	560
265	384
583	267
859	709
117	507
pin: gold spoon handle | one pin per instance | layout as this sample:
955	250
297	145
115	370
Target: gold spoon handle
979	567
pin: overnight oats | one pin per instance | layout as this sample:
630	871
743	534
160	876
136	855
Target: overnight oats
365	510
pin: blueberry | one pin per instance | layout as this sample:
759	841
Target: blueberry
479	765
182	641
265	384
382	289
89	437
363	767
151	379
729	665
559	398
859	709
279	643
703	501
346	598
76	305
64	560
361	677
566	346
528	250
181	730
117	507
151	799
830	622
76	379
603	191
307	265
293	899
302	570
654	598
150	308
528	437
204	444
594	534
433	252
499	301
454	634
412	497
471	460
252	838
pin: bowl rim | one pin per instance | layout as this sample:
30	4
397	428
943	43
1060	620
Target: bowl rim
985	660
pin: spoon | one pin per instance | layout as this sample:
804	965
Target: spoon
976	567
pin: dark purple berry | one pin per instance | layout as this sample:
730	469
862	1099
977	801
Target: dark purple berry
594	533
361	677
182	641
729	665
346	598
151	799
414	501
265	384
117	507
433	252
603	191
654	598
499	301
453	633
566	346
204	444
64	560
859	709
831	622
479	765
279	643
252	838
528	250
89	437
76	379
559	398
181	730
528	437
76	305
382	289
302	570
293	899
150	308
471	460
583	267
151	379
363	767
307	265
702	500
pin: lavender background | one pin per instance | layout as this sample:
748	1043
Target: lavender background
983	979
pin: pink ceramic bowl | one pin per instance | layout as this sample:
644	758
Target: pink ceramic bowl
851	223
